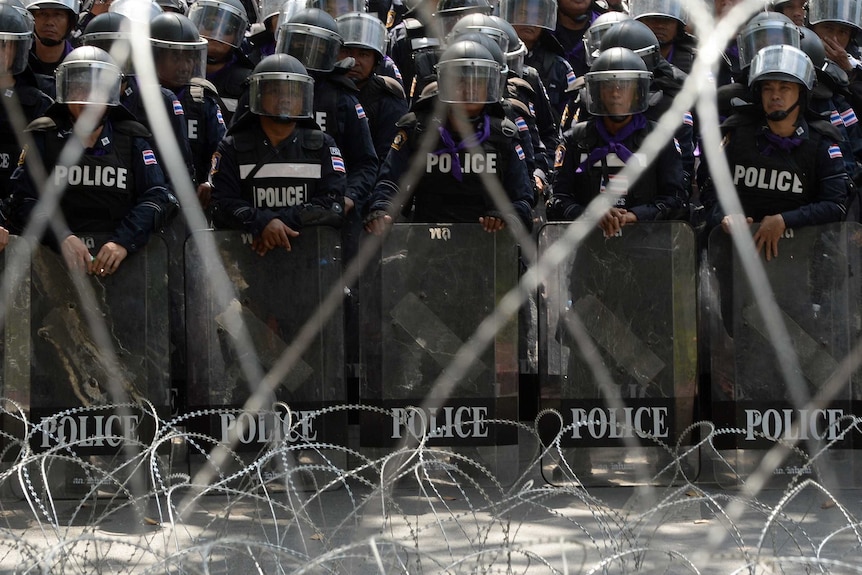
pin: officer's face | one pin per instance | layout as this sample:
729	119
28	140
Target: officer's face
528	34
51	23
618	96
574	8
217	51
840	33
722	7
279	99
364	62
176	67
795	10
778	95
665	29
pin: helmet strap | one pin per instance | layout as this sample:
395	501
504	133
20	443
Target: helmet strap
49	42
782	114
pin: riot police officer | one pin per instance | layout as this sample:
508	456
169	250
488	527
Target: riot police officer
666	19
595	151
179	54
54	22
788	171
793	9
574	18
116	186
382	97
473	141
275	171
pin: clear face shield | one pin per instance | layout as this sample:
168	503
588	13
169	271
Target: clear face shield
317	48
617	93
219	22
763	34
361	30
15	49
138	11
117	44
541	13
843	11
515	59
782	63
469	81
288	9
281	95
593	38
425	58
657	8
92	82
336	8
177	64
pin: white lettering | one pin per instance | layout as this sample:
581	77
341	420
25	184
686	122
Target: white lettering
260	428
89	430
91	176
463	422
601	423
193	129
774	424
281	197
320	118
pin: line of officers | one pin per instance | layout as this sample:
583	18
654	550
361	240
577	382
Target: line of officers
511	114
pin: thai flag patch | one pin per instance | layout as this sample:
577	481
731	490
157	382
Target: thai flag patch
219	117
360	112
338	164
149	157
522	125
835	152
836	119
849	117
687	119
178	108
520	151
677	146
532	109
570	78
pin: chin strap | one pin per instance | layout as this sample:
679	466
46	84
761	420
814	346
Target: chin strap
782	114
49	42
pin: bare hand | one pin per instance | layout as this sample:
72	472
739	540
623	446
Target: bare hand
767	235
491	225
75	254
205	193
275	234
836	52
4	238
729	222
108	259
348	205
614	220
378	226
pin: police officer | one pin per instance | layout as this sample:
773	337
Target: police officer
415	46
793	9
788	171
179	54
594	151
262	43
222	23
473	141
838	23
54	22
275	171
19	90
117	186
382	97
666	19
574	18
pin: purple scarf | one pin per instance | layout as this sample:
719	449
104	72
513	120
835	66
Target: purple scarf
614	142
452	148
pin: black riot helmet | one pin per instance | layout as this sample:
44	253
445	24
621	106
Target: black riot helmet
450	11
223	21
540	13
138	11
517	50
22	9
637	37
15	29
765	29
657	9
468	74
280	87
178	6
847	12
812	45
336	8
179	51
784	63
88	75
112	32
70	7
312	37
594	34
491	46
363	30
481	24
617	85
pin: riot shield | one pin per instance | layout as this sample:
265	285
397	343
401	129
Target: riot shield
232	344
815	284
618	348
88	415
424	298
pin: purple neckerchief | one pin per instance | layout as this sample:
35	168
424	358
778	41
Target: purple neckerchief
775	141
614	142
267	49
732	50
469	142
670	53
579	48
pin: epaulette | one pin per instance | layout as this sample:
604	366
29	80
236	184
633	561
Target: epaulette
198	87
132	128
312	139
392	86
825	128
520	107
43	124
521	84
407	121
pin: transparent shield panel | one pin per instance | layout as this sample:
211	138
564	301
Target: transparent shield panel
620	310
431	288
275	296
815	283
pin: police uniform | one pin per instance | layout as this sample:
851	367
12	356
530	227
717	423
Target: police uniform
205	124
116	187
230	81
573	46
47	68
583	172
451	188
547	58
683	52
384	103
806	183
254	182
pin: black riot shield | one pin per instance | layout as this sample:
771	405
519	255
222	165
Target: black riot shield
91	370
233	343
617	333
815	282
423	300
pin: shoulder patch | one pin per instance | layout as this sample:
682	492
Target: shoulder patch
149	158
392	86
337	160
360	111
835	152
559	156
23	155
178	108
399	140
215	162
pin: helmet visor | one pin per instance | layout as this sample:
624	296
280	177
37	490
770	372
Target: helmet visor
218	22
617	93
177	64
515	59
360	30
317	48
782	63
766	34
658	9
541	13
15	49
336	8
469	81
281	95
843	11
88	82
116	44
